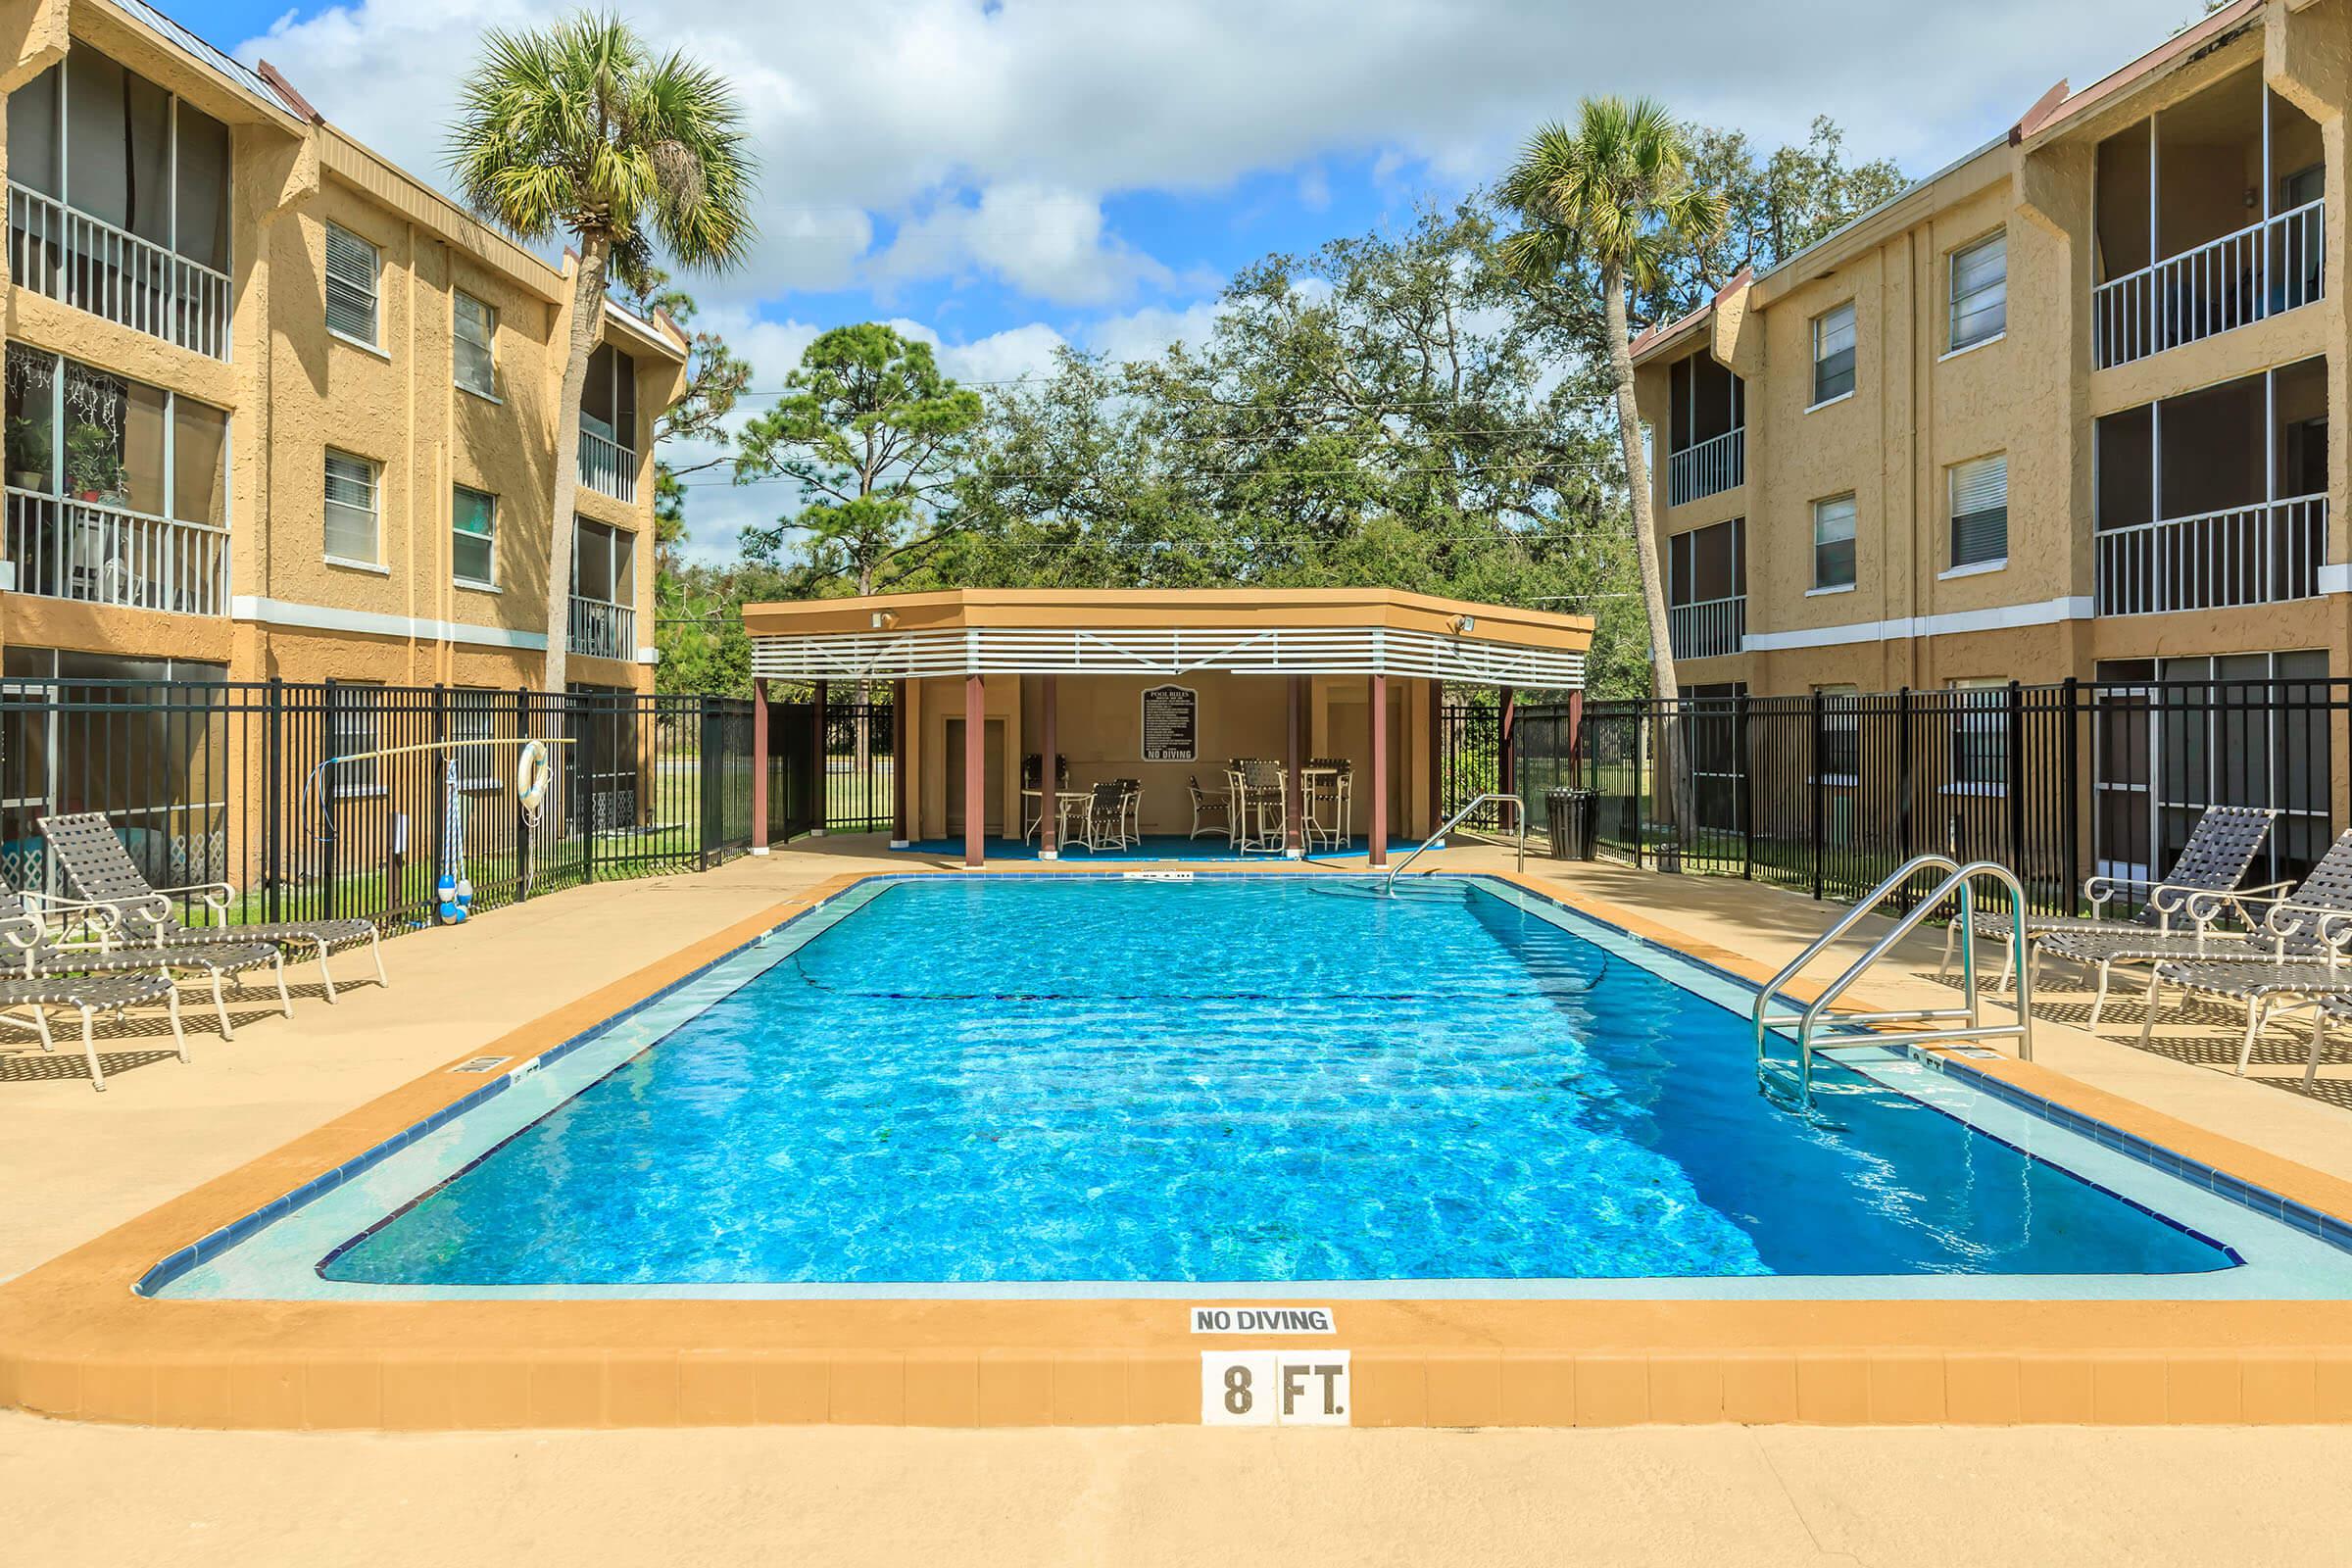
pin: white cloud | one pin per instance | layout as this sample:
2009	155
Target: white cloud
1043	107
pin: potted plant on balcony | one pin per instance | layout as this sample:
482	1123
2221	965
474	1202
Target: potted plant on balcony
27	454
93	466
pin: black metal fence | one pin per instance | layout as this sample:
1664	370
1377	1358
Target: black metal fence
343	799
1828	794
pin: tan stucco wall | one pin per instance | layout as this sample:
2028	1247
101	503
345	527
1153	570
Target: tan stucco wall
291	390
2031	394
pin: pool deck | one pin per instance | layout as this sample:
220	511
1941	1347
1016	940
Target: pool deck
171	1152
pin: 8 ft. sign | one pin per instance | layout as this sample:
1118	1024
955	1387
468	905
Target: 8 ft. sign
1274	1388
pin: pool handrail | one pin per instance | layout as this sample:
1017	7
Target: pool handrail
1960	879
1437	839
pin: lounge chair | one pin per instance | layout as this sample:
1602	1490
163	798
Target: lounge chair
2309	965
2321	889
24	1002
2201	887
1105	822
103	872
29	951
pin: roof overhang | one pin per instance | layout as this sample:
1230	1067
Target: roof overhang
1310	631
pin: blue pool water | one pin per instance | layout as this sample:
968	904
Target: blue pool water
1272	1079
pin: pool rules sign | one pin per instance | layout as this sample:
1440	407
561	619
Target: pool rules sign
1171	725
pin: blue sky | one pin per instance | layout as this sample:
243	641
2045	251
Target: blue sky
1009	175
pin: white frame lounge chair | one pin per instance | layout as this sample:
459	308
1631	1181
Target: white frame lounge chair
29	950
24	1002
103	872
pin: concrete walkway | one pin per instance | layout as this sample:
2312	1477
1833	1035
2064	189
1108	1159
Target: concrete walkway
74	1164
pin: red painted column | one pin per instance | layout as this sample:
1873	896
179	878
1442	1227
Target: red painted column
975	770
1049	779
1379	770
824	777
1293	801
900	723
1505	774
759	767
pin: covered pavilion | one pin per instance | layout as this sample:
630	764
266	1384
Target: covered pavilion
1157	685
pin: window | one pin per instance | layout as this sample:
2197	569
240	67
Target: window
1980	736
1840	734
1980	510
354	728
473	717
604	564
352	265
473	539
1834	354
351	533
473	334
1833	542
1979	291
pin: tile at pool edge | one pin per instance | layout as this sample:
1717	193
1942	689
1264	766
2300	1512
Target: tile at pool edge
1759	1390
2204	1389
343	1393
641	1389
1391	1389
1832	1389
117	1391
1612	1391
794	1390
567	1389
2054	1388
1163	1389
1090	1390
942	1388
191	1392
2280	1388
868	1389
1016	1388
2128	1388
1539	1389
1686	1390
1982	1391
1463	1391
1906	1390
264	1392
718	1389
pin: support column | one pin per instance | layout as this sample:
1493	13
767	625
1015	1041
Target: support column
1576	728
1293	801
760	766
901	724
1380	771
1049	782
1505	775
975	771
824	778
1436	741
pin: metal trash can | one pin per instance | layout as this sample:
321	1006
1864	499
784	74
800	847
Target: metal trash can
1575	831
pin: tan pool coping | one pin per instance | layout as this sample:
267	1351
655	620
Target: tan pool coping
75	1343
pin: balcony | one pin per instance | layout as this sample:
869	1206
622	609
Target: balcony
608	467
97	554
601	629
1713	465
76	259
2255	555
2208	216
2263	270
1709	628
2214	499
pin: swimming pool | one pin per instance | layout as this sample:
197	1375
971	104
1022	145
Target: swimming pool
1124	1085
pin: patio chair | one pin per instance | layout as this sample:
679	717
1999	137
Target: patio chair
24	1002
103	872
29	951
1104	821
2202	886
2309	965
1326	784
2325	888
1131	810
1259	807
1206	805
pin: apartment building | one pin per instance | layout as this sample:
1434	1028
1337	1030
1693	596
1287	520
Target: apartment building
277	407
2060	410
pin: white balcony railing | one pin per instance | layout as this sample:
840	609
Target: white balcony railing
608	467
107	554
2271	265
111	273
602	630
2255	555
1714	465
1709	628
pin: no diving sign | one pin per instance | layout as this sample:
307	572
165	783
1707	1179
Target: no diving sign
1274	1388
1261	1320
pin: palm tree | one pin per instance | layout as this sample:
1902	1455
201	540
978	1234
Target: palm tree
582	129
1613	196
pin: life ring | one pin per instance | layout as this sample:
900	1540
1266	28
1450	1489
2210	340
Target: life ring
532	777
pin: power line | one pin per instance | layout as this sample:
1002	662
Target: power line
1364	472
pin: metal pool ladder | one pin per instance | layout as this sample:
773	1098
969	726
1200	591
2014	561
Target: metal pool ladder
1388	885
1958	879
